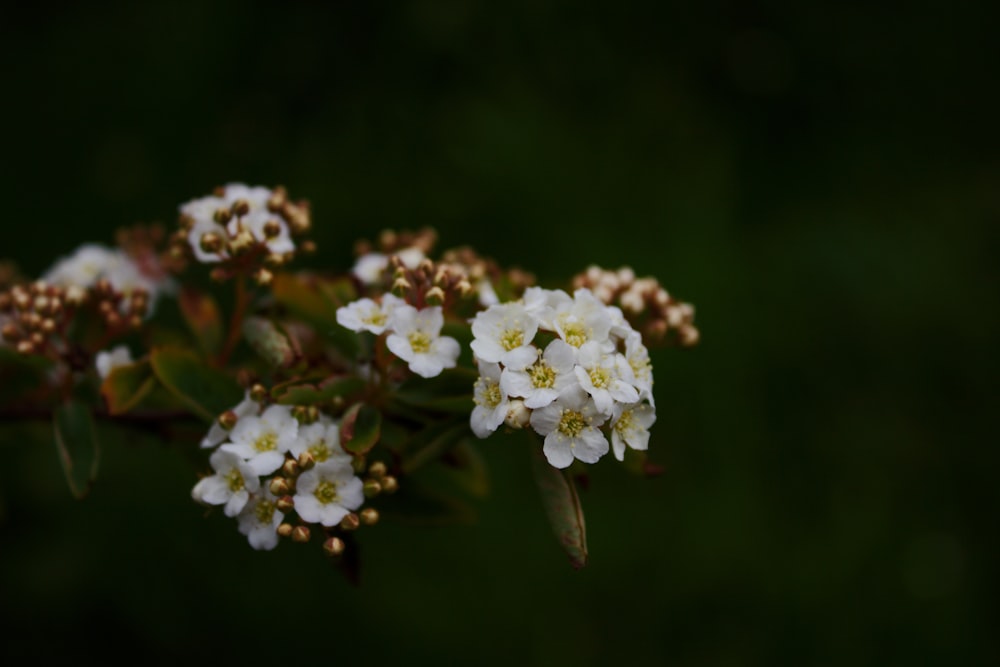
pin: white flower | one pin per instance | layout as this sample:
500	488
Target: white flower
368	269
231	485
263	440
322	440
328	492
583	320
217	434
88	264
417	340
544	304
491	401
363	315
630	425
570	428
542	382
260	519
112	359
202	212
606	377
638	360
503	334
487	295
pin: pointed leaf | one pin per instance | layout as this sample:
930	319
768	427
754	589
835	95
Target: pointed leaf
311	394
360	429
433	445
450	392
206	391
127	385
269	342
204	318
315	300
562	506
77	444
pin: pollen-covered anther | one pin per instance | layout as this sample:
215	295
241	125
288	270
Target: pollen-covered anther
350	522
279	486
272	228
333	546
277	200
285	504
222	215
227	420
368	516
301	534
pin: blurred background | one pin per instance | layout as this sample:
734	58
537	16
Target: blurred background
819	179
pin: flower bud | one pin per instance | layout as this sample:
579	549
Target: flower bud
11	333
306	460
334	546
279	486
518	414
243	242
240	207
263	277
350	522
372	488
285	530
210	242
272	228
25	347
377	470
258	392
389	484
285	504
48	326
291	468
400	286
369	516
6	302
434	296
227	420
75	295
301	534
307	247
278	198
222	215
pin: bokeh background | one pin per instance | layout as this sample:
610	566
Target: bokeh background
820	179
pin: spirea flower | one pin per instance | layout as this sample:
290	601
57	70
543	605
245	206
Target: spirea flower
112	359
322	440
630	426
491	400
367	315
216	434
217	215
570	426
540	382
416	339
231	485
259	520
328	492
503	334
262	441
92	262
607	377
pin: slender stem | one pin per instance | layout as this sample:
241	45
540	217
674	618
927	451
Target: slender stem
236	321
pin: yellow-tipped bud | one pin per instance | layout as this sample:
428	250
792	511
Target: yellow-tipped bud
350	522
306	460
285	530
301	534
279	486
371	488
434	296
377	470
291	468
334	546
285	504
369	516
400	287
389	484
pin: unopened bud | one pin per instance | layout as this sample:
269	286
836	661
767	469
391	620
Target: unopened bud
21	300
241	207
210	242
285	530
389	484
301	534
242	242
113	319
371	488
272	228
185	222
285	504
350	522
307	247
400	286
25	347
222	215
334	546
258	392
279	486
274	260
227	420
135	321
48	326
434	296
306	460
291	468
6	302
11	333
518	414
75	295
688	336
278	198
41	303
263	277
38	339
369	516
464	288
377	470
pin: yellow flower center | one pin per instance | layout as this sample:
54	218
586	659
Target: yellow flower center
235	480
264	511
625	423
488	393
576	334
320	451
326	492
641	367
542	376
600	378
375	319
266	443
420	342
511	339
572	423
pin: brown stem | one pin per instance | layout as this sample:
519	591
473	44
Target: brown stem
235	322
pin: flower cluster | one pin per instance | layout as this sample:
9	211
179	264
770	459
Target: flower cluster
571	367
268	464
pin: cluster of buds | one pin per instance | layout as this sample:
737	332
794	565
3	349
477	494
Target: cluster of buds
272	462
429	284
483	274
644	302
120	312
37	314
246	230
391	242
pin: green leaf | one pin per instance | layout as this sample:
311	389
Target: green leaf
126	386
450	392
269	342
21	375
432	443
562	506
311	394
315	300
206	391
467	468
203	317
420	503
77	444
360	429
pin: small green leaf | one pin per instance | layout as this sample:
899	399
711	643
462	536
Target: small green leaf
204	390
203	317
126	386
450	392
360	429
311	394
432	443
315	300
77	444
562	506
269	342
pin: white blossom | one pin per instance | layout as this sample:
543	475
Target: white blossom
544	304
503	334
487	295
202	211
570	426
231	485
642	369
606	377
328	492
216	434
259	520
368	268
630	426
583	320
416	340
491	401
322	440
363	315
262	441
88	264
541	382
112	359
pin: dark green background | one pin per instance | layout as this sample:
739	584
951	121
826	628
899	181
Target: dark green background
819	179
